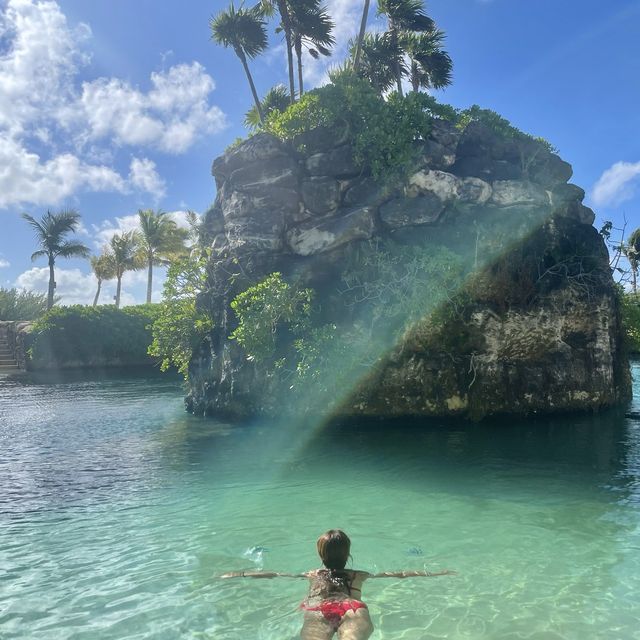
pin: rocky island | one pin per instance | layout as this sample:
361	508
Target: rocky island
472	283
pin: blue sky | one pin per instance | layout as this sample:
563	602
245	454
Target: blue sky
109	106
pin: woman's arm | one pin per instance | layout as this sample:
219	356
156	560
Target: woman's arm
413	574
262	574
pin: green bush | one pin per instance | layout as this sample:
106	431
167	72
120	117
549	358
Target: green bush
79	336
180	325
382	131
21	305
631	321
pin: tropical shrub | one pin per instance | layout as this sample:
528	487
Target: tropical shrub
180	324
382	131
21	305
79	336
631	321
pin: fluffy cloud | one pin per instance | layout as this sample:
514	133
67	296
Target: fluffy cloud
57	140
26	178
144	176
617	184
4	263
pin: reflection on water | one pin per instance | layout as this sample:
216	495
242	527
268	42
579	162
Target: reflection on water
117	510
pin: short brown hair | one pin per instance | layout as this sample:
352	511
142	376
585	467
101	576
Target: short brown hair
333	548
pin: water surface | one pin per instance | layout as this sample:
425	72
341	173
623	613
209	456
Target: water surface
117	511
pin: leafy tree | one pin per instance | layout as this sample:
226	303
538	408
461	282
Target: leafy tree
51	232
125	250
311	27
632	251
181	324
21	305
160	240
264	308
103	268
276	99
244	31
403	16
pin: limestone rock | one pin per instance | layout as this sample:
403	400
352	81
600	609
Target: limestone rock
320	195
514	193
423	209
311	238
338	162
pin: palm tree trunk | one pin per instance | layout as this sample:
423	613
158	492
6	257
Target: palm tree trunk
286	26
243	59
415	80
52	283
118	288
298	44
95	300
634	277
149	280
396	64
363	28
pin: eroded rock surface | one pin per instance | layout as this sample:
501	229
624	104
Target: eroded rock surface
542	334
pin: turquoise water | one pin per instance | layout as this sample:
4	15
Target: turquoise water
117	510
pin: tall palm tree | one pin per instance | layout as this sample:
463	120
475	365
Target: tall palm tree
632	251
103	268
50	234
276	99
403	16
243	30
430	65
125	250
360	40
160	239
311	26
283	7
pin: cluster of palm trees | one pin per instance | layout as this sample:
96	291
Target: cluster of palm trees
410	48
156	241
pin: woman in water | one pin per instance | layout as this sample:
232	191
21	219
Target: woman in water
334	602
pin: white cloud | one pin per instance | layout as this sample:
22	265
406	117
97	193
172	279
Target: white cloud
617	184
76	287
144	176
26	178
170	117
57	140
108	228
4	263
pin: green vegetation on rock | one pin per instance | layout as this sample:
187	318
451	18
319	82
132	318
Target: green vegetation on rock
631	321
179	324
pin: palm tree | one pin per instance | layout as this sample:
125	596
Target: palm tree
50	234
103	268
360	40
311	26
632	251
276	99
429	65
379	59
244	31
283	7
160	240
125	250
403	16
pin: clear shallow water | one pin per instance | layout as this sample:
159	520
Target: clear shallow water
117	510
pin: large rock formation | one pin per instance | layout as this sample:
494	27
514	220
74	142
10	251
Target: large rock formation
533	327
